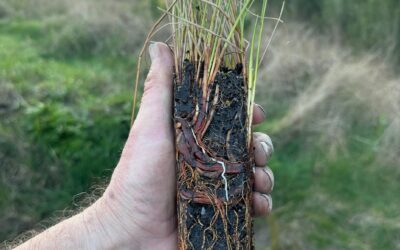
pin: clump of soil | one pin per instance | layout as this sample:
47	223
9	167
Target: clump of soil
213	161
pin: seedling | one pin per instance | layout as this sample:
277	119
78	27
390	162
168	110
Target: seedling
215	77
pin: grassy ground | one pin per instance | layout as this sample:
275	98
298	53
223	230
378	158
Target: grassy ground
63	123
55	123
65	81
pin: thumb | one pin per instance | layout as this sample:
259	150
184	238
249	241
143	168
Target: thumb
155	113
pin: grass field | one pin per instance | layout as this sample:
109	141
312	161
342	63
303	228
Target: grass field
66	74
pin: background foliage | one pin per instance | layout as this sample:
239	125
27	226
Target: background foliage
329	86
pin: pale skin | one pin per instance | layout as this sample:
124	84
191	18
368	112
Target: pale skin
137	210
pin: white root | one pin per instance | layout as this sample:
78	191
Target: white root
225	180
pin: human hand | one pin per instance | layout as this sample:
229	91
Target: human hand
138	208
143	187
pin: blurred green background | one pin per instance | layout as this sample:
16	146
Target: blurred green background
329	85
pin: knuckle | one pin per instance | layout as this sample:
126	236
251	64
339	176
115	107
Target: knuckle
269	179
150	79
262	137
267	148
268	202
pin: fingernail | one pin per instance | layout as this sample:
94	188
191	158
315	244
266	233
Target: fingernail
267	147
269	200
271	177
153	50
262	109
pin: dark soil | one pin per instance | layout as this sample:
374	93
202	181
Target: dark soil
211	134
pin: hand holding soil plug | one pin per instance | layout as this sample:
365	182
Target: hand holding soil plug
138	208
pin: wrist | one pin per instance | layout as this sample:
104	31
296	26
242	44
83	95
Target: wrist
86	230
104	228
124	226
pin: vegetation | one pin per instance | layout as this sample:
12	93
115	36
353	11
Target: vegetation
67	68
363	24
214	89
